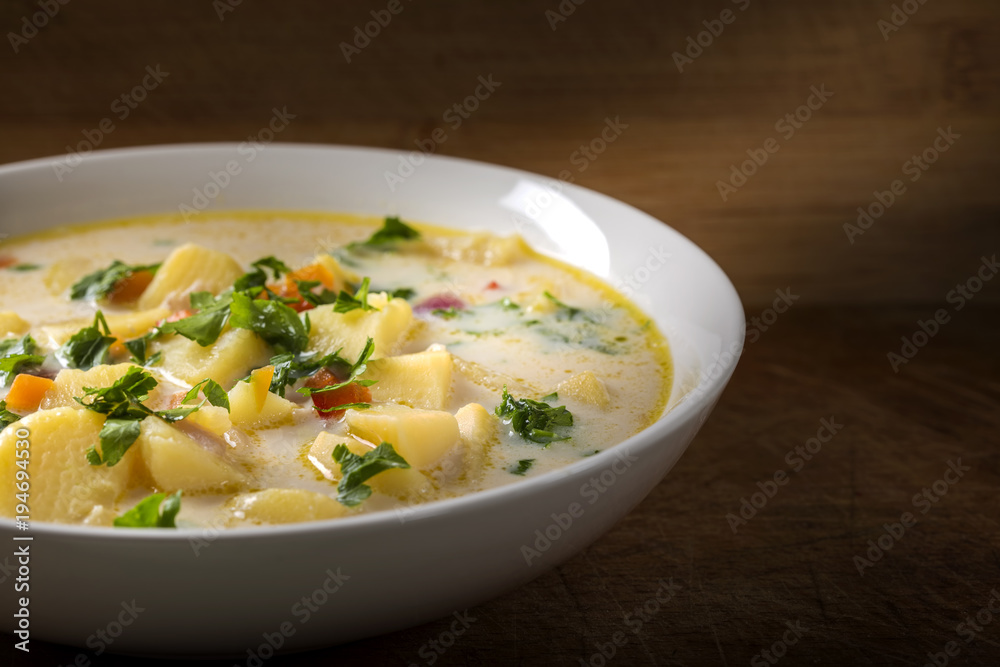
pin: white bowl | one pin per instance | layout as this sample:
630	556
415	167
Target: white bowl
240	592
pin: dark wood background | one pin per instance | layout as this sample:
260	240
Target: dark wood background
783	229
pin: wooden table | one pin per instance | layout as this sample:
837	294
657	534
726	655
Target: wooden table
821	365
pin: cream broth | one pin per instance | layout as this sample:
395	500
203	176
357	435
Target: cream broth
452	319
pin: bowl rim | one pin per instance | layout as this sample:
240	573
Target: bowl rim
702	394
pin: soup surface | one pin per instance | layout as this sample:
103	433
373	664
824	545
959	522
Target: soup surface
263	368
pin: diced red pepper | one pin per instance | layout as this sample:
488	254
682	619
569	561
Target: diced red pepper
324	402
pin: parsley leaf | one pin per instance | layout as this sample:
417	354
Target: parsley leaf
353	371
213	391
522	467
257	279
320	298
205	326
393	230
346	303
356	470
88	347
533	420
24	267
275	322
15	354
137	348
6	416
566	312
402	293
291	367
449	313
148	514
100	283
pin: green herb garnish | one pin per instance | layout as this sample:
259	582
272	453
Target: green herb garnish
256	279
448	313
138	348
15	355
149	513
353	371
345	303
100	283
320	298
24	267
276	323
356	470
214	393
6	416
533	420
393	230
88	347
205	326
522	467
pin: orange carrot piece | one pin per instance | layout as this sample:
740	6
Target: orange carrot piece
324	402
27	392
131	287
290	290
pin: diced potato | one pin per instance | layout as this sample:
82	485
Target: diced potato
485	377
70	383
339	271
246	413
11	324
176	461
585	387
401	483
421	437
211	418
63	273
277	506
64	486
190	268
479	432
351	330
123	326
480	248
226	360
421	380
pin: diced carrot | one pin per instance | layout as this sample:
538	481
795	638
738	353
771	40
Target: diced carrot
7	260
260	380
26	392
324	402
118	349
493	285
131	287
288	288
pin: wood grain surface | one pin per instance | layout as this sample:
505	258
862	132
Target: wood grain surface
825	359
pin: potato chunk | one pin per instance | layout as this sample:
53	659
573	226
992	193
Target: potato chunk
247	412
421	380
122	326
479	432
226	360
64	486
190	268
351	330
176	461
480	248
211	418
421	437
341	273
585	387
401	483
11	324
277	506
70	383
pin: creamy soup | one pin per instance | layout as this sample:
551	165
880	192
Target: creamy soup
262	368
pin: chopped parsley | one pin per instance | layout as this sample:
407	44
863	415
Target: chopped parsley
138	347
565	312
6	416
533	420
345	303
320	298
276	323
356	470
100	283
150	513
24	267
256	279
353	371
393	230
122	403
88	347
522	467
15	355
214	393
448	313
402	293
205	326
507	304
